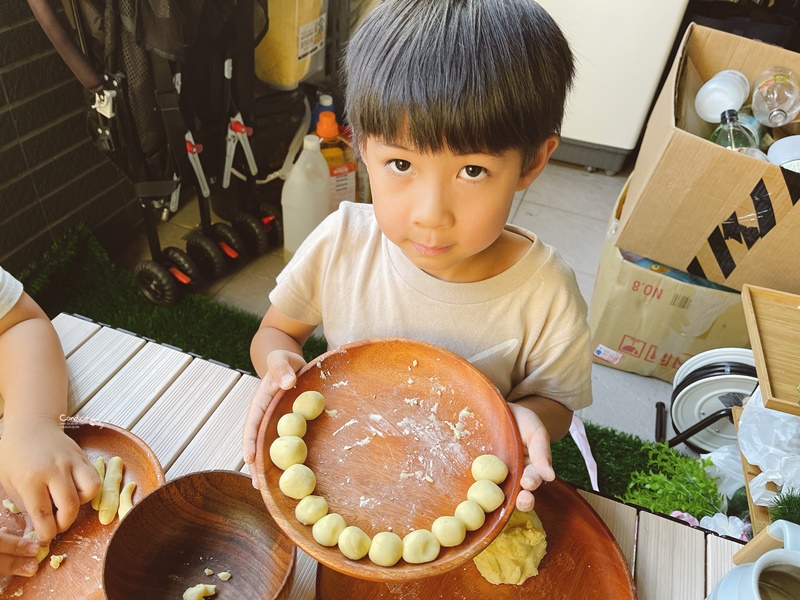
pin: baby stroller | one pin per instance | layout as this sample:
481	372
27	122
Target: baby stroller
167	84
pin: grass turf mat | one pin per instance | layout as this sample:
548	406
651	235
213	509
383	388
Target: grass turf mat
77	276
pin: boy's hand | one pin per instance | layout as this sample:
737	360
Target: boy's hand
46	474
536	445
282	366
17	555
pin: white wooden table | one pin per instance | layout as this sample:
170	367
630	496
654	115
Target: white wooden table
191	411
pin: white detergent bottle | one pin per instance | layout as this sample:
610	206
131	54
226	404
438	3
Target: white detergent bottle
305	196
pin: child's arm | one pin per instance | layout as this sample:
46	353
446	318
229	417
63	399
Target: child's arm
277	354
540	420
17	555
41	467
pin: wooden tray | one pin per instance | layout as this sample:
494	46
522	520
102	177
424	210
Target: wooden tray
207	519
388	456
583	561
79	576
773	322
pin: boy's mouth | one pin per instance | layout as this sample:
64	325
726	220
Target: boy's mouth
430	250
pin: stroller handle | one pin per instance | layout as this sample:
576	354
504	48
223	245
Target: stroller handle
65	46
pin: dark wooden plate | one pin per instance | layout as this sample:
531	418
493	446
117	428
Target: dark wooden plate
583	561
79	576
209	519
387	454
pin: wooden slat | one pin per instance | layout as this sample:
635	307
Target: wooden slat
178	414
719	559
96	362
218	444
73	331
670	560
305	577
137	385
619	518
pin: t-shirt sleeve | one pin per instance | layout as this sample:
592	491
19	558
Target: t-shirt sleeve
10	292
559	365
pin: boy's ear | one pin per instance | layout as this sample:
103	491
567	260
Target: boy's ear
538	163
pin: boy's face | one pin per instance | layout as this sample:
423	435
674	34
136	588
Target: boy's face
446	211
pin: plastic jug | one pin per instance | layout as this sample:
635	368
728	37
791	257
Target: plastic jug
775	575
304	197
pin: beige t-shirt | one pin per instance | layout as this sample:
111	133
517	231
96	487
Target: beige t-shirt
525	328
10	292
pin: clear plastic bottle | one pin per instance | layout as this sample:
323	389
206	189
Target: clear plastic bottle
304	197
776	97
731	134
341	165
749	122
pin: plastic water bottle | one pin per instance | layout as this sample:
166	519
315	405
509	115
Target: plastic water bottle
731	134
776	97
726	89
304	197
324	104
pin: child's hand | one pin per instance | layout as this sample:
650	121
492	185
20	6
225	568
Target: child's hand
16	555
536	445
281	368
46	474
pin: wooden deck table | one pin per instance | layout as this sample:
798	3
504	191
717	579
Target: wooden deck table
191	411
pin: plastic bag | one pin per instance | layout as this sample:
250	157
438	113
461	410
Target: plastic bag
726	468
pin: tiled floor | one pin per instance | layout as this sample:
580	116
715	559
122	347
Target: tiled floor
567	206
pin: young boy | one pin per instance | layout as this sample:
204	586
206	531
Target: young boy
455	105
40	466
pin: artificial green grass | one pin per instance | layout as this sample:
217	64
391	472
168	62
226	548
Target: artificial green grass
77	276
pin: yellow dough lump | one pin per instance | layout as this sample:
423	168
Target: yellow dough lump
386	549
420	546
288	450
328	529
450	531
309	404
488	466
487	494
292	424
297	482
471	514
311	509
199	591
515	554
354	543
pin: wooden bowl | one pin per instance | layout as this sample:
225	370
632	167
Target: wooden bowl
209	519
79	576
385	452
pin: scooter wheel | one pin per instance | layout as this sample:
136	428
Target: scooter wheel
157	283
206	255
229	242
175	258
252	232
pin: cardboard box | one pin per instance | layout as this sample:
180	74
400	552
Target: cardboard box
701	208
644	321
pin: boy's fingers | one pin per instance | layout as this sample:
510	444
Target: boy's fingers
525	501
17	565
87	481
40	510
67	503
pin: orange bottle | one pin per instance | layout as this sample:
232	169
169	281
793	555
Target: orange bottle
340	161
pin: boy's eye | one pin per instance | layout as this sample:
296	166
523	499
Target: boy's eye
400	165
473	171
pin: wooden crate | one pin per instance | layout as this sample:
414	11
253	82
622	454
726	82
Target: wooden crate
773	323
759	515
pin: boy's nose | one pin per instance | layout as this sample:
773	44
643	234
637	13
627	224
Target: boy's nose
432	208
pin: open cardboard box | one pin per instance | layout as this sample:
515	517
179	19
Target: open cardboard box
699	207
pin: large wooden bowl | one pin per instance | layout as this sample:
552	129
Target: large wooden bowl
210	519
79	576
583	561
386	455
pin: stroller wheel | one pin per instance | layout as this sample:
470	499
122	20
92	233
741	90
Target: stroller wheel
228	241
181	265
253	233
206	255
156	283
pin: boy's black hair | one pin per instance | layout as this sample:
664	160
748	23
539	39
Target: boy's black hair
469	75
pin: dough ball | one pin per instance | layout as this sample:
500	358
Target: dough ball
487	494
470	514
309	404
328	529
297	482
354	543
287	451
292	424
311	509
449	531
420	546
488	466
386	549
515	554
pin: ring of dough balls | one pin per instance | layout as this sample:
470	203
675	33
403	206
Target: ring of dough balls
420	546
354	543
297	482
386	549
328	529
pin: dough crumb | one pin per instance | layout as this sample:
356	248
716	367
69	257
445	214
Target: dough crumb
224	576
414	363
208	572
333	413
199	591
56	560
10	506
